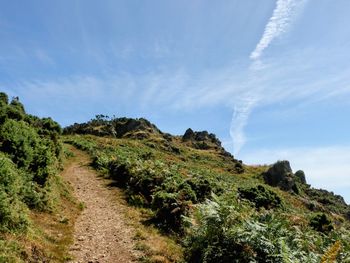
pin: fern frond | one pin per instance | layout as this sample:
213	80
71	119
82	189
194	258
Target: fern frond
331	254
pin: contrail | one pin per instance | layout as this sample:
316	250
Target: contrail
281	18
279	22
239	121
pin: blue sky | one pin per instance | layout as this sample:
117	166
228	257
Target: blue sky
270	78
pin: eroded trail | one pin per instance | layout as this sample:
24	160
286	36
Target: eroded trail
101	234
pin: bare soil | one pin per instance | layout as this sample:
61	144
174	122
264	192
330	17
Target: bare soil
101	233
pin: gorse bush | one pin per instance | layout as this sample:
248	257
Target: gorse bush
18	141
260	196
29	154
12	209
4	99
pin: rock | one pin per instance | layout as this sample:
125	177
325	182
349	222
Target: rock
202	139
281	175
168	137
301	176
117	127
189	135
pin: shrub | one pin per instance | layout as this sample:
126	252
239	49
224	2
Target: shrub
170	210
119	172
18	140
4	99
42	163
261	197
15	103
12	209
50	126
321	223
12	213
201	186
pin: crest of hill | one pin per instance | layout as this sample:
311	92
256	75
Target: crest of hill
141	128
101	125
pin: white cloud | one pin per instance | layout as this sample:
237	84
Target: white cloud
299	79
278	24
239	121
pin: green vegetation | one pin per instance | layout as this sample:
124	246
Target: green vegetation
188	188
30	156
260	196
217	208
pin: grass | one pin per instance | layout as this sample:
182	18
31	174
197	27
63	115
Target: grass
152	161
154	246
50	233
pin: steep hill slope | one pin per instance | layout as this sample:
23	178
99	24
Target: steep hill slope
33	199
219	209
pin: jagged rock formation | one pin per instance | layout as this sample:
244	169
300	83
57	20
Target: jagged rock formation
281	175
117	127
318	200
204	140
201	136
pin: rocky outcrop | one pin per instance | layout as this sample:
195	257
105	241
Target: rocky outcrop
204	140
201	140
123	126
281	175
301	176
117	127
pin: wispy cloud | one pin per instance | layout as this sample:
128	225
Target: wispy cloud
181	90
279	22
239	121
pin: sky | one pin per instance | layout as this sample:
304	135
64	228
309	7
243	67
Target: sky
270	78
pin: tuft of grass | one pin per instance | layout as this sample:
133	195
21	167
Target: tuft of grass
81	206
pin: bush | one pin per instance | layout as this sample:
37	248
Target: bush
119	172
201	187
49	126
4	99
32	147
12	209
170	210
18	140
42	163
321	223
13	215
261	197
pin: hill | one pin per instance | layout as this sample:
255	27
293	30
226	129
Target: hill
209	206
216	207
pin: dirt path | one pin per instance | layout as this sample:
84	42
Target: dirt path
101	234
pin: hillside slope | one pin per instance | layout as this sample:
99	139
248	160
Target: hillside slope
33	199
219	209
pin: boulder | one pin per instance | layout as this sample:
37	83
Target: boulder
281	175
189	135
301	176
201	139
